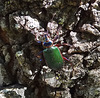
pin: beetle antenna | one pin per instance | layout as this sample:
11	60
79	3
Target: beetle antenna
46	39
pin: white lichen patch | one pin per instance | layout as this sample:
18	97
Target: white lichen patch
27	22
13	92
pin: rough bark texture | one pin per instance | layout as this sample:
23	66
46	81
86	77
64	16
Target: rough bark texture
24	75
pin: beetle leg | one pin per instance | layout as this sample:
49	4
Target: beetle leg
57	36
65	58
39	55
64	44
69	62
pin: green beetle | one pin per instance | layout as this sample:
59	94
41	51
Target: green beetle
52	55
